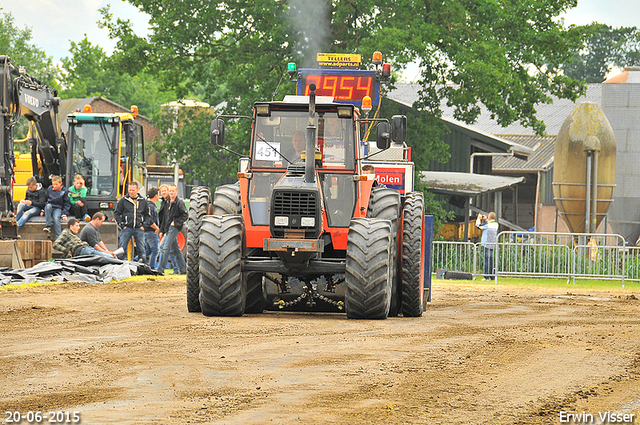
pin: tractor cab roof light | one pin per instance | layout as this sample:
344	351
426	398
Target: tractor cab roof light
262	110
377	58
386	71
292	69
87	109
345	112
366	104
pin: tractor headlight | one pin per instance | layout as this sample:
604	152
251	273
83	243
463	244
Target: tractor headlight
281	221
308	221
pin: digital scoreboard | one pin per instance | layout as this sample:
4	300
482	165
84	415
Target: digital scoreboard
344	85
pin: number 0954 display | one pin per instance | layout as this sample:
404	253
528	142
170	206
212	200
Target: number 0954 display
342	86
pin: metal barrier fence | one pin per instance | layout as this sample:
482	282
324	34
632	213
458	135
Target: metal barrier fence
551	255
459	256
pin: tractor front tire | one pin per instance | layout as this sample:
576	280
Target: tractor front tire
412	255
222	289
226	200
369	269
198	207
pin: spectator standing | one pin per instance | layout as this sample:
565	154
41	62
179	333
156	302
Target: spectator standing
91	234
78	199
151	235
132	215
34	201
70	243
162	216
489	228
57	207
176	215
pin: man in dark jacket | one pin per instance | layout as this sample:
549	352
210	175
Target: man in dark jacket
34	201
171	224
57	207
132	215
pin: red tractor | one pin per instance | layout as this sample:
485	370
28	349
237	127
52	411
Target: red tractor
303	228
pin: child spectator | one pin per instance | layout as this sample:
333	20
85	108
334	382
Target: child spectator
33	202
78	195
57	207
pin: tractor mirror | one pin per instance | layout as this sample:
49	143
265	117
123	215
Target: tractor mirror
383	140
217	132
398	128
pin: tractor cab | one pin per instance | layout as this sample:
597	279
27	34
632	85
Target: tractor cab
107	149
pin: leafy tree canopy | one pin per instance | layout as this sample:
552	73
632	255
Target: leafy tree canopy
16	43
604	48
90	72
506	54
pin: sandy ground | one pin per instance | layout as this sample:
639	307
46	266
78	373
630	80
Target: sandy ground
129	353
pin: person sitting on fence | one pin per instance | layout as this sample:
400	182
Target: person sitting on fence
34	200
489	228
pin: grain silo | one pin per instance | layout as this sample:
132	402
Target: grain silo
621	104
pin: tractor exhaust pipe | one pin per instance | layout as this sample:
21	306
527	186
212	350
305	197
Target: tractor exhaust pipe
309	163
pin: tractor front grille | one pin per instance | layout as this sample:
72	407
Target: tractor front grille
295	203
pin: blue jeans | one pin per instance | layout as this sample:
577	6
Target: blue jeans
53	219
25	212
488	263
125	237
169	245
89	250
151	240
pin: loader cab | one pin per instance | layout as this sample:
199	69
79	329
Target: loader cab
108	151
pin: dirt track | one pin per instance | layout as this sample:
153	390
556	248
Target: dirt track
130	354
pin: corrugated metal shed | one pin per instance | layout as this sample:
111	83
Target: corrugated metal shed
542	157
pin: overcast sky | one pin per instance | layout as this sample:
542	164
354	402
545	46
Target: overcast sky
55	22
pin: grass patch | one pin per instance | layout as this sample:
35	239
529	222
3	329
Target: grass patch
560	283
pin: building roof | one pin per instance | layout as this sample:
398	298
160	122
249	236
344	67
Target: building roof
553	114
466	184
68	106
543	148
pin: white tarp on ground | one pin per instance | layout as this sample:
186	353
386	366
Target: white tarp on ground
87	268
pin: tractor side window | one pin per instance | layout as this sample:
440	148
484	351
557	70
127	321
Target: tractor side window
339	192
260	190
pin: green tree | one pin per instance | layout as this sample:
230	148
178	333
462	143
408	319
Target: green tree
16	43
91	72
604	48
506	54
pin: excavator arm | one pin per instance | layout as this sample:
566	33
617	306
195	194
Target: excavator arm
24	95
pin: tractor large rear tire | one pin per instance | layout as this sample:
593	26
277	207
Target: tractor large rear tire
256	296
412	255
222	289
385	204
369	269
226	200
198	207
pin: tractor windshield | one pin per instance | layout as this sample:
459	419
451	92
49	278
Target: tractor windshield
280	139
93	144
